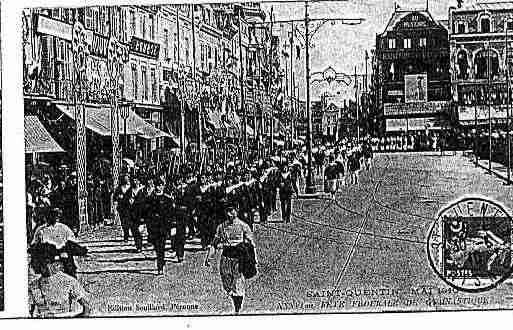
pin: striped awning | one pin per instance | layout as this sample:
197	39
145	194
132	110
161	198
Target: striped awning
98	119
37	138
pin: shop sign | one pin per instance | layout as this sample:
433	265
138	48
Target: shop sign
411	124
413	21
144	47
54	28
468	113
394	109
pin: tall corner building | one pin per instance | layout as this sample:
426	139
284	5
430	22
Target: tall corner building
412	78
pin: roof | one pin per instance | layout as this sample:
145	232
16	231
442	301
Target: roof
400	14
491	6
444	23
37	138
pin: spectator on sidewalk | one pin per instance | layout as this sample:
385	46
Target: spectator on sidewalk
54	294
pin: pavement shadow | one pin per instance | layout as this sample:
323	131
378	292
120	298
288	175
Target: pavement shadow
123	260
148	271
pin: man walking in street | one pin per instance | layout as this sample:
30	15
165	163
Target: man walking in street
136	201
121	196
286	191
160	206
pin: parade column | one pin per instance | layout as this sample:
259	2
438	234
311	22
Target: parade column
80	53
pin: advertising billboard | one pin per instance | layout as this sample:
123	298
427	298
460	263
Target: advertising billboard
415	88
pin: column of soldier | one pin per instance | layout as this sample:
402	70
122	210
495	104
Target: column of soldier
191	203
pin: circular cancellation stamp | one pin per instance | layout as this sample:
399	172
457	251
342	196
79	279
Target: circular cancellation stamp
469	244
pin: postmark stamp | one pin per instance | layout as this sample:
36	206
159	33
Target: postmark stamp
469	244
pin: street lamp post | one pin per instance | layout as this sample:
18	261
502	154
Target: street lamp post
310	185
125	113
508	100
242	98
489	60
114	66
80	53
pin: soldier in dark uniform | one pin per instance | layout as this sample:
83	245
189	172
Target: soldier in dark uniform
70	204
267	195
182	214
260	196
123	207
136	201
286	187
192	201
206	217
242	196
160	206
274	181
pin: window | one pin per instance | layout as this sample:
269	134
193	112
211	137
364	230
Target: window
485	25
186	51
175	48
144	79
391	43
509	25
423	42
407	43
132	22
152	27
461	28
153	85
123	26
61	50
88	18
462	65
103	22
486	64
56	13
96	20
166	44
134	81
143	27
66	15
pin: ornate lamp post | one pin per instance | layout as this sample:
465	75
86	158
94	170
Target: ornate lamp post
80	53
114	67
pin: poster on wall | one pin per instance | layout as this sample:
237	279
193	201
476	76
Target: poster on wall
415	88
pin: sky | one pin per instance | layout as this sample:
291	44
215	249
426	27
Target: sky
342	46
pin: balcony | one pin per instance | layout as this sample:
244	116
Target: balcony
62	90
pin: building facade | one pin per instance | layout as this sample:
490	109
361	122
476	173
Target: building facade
184	66
481	62
412	63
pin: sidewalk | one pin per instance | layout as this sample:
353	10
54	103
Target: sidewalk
498	169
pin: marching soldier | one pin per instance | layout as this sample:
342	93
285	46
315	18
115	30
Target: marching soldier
286	187
123	206
136	201
160	206
182	214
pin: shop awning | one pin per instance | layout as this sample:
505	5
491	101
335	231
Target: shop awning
98	120
37	138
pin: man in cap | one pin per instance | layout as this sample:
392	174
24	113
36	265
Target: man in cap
122	197
70	204
286	188
157	220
